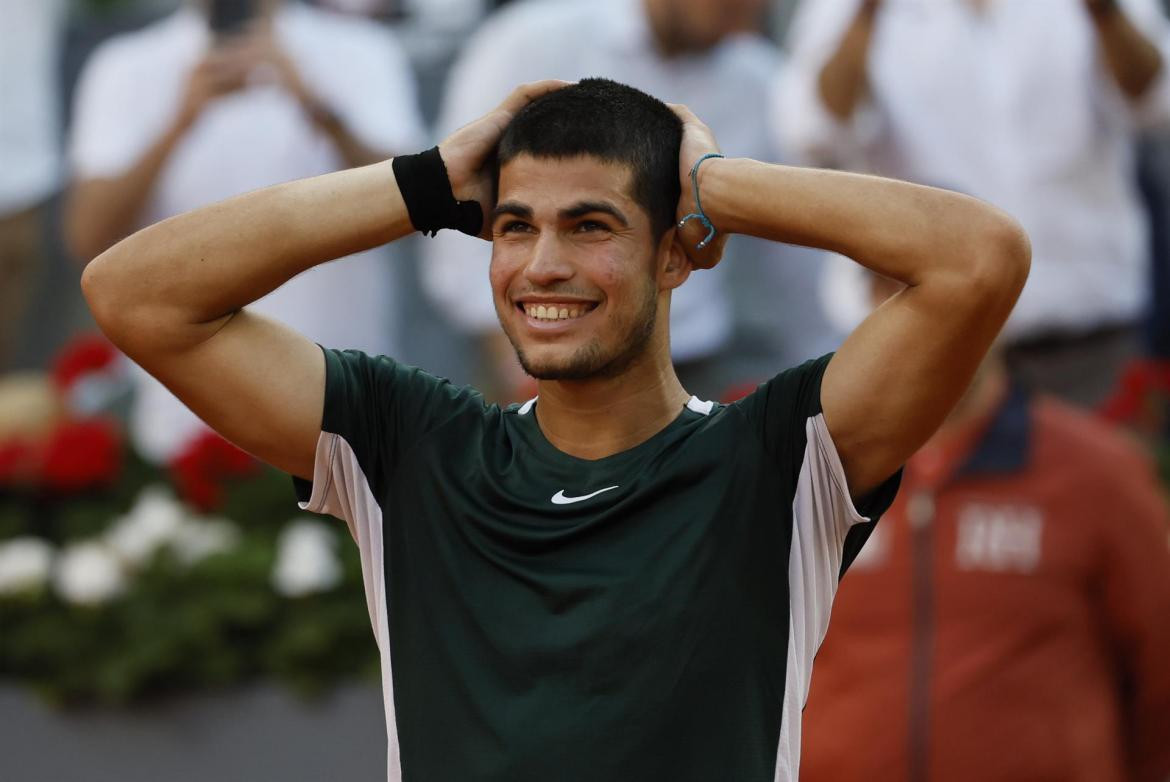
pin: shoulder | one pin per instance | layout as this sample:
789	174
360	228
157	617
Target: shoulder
322	30
542	15
537	25
1089	448
750	58
801	382
141	48
1061	425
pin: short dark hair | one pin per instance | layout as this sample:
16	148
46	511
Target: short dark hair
613	123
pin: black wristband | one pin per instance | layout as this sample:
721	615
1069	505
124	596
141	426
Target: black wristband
426	189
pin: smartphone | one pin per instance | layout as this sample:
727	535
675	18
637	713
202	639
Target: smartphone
228	17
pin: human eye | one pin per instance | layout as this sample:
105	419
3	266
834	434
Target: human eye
589	226
514	226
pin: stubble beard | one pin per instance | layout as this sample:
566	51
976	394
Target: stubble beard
589	361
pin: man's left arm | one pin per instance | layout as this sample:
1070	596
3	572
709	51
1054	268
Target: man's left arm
901	371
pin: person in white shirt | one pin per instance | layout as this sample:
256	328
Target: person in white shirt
705	53
30	152
174	116
1033	106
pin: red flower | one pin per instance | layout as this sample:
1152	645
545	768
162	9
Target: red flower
1140	396
81	455
19	462
87	353
204	465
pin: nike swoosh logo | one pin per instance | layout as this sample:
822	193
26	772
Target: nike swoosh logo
560	499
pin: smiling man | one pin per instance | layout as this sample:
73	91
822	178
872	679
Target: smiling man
615	580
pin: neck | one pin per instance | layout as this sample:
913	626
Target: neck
598	417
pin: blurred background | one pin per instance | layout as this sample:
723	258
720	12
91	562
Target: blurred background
166	611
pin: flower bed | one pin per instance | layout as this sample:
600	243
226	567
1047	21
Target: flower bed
121	580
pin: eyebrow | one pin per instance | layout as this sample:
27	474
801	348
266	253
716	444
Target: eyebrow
512	208
588	207
571	213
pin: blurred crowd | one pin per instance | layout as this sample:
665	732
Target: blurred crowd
1008	620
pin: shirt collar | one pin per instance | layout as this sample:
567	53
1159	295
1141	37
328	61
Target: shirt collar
1005	445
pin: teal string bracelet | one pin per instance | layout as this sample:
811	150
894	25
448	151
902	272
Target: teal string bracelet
699	214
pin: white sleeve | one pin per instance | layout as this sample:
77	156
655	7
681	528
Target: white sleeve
454	268
374	92
822	515
112	126
807	130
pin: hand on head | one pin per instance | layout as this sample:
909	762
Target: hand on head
468	151
697	141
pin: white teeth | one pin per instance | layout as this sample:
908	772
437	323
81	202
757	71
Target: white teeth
543	312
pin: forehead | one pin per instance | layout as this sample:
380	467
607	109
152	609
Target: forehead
557	182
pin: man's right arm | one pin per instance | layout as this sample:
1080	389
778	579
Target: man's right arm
172	296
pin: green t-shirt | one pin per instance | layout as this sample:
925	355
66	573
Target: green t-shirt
652	615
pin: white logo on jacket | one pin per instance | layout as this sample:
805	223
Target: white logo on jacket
1000	538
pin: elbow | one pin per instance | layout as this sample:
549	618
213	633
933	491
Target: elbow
97	289
1002	259
104	289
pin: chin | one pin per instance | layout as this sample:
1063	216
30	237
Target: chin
580	364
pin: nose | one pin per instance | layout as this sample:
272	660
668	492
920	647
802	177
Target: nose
548	264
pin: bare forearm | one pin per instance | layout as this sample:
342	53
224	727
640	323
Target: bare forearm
843	80
171	282
1132	59
900	230
99	212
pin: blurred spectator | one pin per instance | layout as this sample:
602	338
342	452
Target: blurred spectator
1032	106
30	152
705	53
175	116
1007	619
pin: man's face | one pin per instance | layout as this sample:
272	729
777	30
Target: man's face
700	24
574	267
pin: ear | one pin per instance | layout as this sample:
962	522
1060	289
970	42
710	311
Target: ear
674	266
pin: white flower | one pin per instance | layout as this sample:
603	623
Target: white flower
88	573
25	564
153	522
197	539
306	559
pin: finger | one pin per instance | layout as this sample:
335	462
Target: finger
685	114
526	93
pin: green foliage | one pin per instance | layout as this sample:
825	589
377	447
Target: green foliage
181	628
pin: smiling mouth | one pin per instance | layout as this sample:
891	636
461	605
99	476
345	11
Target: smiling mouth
554	312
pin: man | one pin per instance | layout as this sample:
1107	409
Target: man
1031	105
203	105
1007	621
30	41
614	581
739	321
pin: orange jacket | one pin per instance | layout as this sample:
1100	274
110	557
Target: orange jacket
1009	620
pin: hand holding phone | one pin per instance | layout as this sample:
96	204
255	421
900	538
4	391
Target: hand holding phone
230	17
